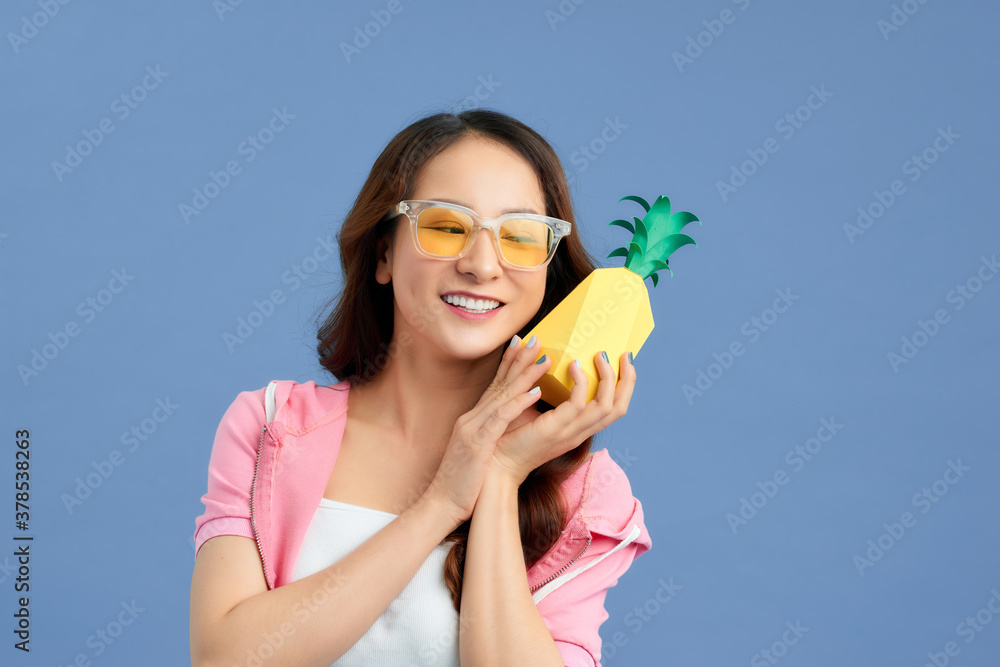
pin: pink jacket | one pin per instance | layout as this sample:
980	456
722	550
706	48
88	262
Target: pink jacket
265	481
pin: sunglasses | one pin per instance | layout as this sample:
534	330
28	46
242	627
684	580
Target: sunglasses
446	231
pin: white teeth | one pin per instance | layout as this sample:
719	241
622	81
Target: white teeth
472	305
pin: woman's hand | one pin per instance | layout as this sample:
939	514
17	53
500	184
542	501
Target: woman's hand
534	438
470	452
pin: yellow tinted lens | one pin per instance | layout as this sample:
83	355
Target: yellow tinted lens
525	242
442	231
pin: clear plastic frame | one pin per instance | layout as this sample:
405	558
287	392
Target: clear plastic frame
442	230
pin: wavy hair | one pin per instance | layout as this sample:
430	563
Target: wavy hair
355	338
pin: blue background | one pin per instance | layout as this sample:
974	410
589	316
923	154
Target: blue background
682	129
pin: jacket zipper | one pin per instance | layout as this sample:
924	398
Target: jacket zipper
253	487
562	569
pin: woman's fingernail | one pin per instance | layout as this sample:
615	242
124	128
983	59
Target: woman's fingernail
531	341
605	355
542	359
630	358
513	341
535	390
577	363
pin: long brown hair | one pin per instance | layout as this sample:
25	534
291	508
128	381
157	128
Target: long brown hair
354	340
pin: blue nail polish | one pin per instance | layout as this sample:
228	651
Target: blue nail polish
605	355
630	358
513	341
541	360
577	362
531	341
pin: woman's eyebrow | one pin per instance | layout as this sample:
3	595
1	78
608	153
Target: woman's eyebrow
526	209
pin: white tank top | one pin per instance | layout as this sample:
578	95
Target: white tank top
420	626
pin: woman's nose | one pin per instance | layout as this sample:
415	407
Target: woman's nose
482	259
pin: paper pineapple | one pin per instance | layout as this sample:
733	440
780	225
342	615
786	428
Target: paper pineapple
610	310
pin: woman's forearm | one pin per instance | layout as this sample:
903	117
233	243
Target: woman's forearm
316	619
500	624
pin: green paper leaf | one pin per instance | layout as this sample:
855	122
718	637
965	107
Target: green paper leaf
679	219
623	223
657	221
637	199
640	235
659	265
634	258
654	237
650	267
667	246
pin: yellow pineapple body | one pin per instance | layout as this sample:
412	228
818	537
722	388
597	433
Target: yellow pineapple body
609	310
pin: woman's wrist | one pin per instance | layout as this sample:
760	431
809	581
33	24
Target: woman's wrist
500	474
434	513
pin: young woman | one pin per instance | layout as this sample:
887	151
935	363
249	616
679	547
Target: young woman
426	509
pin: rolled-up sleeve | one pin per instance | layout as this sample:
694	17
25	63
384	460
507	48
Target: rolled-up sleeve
230	470
572	606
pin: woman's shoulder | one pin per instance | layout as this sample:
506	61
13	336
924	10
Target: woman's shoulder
304	406
600	497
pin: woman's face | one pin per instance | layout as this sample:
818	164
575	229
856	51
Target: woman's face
490	179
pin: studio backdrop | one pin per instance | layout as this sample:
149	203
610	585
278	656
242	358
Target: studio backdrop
813	434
